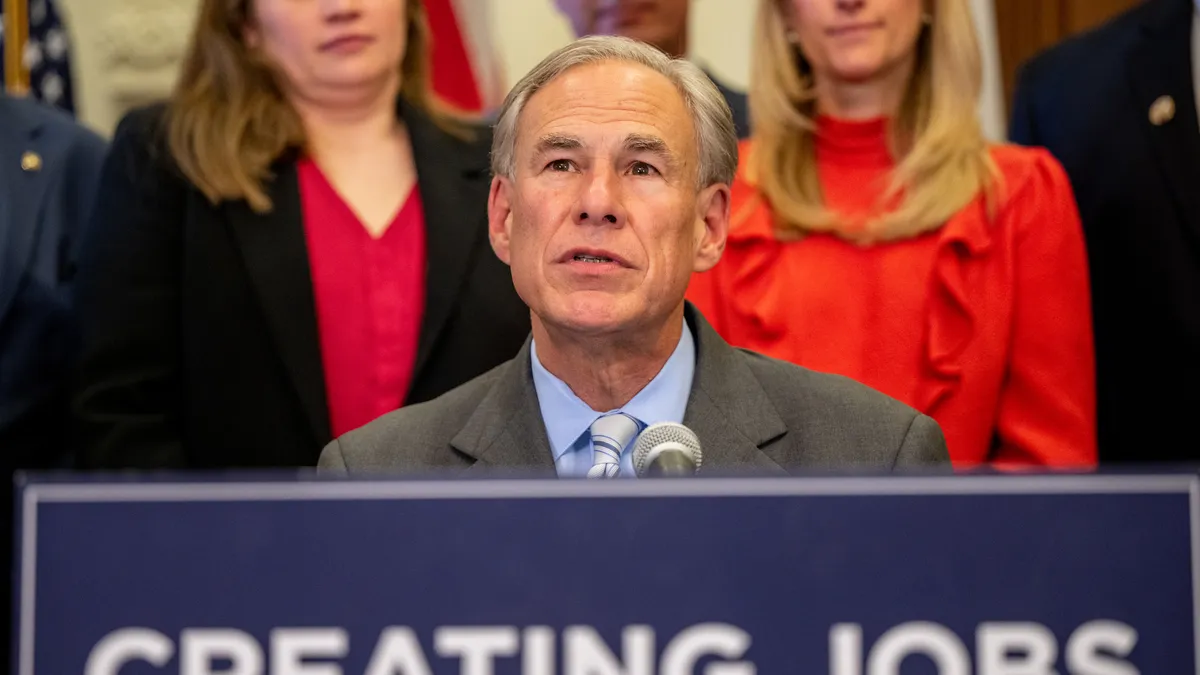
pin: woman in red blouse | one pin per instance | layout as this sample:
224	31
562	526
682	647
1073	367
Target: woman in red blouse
876	234
293	246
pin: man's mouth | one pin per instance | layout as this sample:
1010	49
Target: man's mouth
593	259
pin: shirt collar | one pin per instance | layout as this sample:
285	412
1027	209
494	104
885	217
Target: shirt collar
664	399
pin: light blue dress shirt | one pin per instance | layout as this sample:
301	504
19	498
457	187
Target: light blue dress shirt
568	418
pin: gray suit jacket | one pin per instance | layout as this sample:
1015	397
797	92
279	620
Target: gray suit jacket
751	413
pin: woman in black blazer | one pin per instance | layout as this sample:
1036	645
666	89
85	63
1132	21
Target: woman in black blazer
204	345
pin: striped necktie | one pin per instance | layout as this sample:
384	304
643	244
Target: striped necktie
611	433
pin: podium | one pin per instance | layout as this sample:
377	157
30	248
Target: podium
954	575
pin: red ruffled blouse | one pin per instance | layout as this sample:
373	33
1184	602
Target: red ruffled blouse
984	325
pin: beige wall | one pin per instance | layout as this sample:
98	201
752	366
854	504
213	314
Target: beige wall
125	53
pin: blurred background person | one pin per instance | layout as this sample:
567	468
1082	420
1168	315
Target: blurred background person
1117	107
876	234
49	168
661	23
294	245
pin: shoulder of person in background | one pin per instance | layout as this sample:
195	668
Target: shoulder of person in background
738	105
34	117
1059	85
141	134
472	132
140	153
61	146
1028	172
60	161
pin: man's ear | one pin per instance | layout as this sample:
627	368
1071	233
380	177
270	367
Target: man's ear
500	217
712	226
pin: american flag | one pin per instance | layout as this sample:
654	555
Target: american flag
46	56
466	65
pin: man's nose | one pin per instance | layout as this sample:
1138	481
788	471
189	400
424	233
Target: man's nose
601	200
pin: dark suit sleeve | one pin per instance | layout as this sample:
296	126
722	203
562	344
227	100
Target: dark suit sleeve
923	445
1022	128
127	400
332	462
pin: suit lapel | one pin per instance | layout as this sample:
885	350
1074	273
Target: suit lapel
21	194
276	256
1160	65
506	430
729	411
453	184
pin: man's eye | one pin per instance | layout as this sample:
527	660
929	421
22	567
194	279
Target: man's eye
642	169
560	165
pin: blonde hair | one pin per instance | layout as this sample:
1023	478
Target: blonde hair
716	136
943	159
227	119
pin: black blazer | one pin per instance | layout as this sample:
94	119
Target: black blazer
1138	187
199	326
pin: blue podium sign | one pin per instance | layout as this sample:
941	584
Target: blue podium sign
1045	575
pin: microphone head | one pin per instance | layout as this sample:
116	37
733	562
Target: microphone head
664	436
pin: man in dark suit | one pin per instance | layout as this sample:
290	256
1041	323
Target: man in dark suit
662	23
612	167
49	169
1117	106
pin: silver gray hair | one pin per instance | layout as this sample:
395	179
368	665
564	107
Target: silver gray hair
716	137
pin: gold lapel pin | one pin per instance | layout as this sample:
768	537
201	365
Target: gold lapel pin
31	161
1162	110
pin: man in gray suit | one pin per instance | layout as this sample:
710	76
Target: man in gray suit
612	169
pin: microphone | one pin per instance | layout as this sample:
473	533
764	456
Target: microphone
666	449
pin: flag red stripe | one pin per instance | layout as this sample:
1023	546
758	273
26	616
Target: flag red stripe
453	75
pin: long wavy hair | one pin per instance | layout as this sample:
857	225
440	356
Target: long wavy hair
943	161
227	119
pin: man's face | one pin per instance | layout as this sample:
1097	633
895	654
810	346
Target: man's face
656	22
602	222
